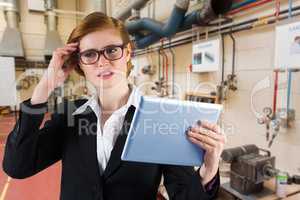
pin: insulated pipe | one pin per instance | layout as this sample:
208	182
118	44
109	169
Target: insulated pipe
50	4
136	4
100	5
210	10
245	25
51	20
158	29
163	30
52	39
11	14
11	43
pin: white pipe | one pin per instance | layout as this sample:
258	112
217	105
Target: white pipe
100	5
136	4
11	19
69	12
51	21
6	4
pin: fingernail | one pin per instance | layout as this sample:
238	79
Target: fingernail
199	122
188	129
186	132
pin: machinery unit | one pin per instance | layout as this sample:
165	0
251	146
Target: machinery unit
249	168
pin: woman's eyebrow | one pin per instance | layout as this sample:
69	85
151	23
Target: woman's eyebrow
91	49
109	45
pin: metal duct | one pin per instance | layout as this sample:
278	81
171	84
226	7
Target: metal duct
100	5
211	9
135	4
52	40
156	28
11	44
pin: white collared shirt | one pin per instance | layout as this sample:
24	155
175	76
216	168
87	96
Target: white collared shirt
107	137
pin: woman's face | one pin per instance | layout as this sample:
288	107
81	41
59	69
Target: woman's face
110	69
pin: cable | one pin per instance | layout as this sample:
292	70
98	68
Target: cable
159	63
290	8
275	93
223	59
289	88
233	53
173	67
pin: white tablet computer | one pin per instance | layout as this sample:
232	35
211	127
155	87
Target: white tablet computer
157	132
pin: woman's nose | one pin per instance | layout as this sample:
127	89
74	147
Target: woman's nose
102	61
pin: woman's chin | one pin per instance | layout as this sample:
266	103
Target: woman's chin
108	83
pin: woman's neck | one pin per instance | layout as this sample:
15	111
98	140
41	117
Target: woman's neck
113	98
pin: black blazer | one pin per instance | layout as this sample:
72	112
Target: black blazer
30	149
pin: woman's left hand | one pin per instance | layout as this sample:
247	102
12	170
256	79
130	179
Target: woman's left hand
210	137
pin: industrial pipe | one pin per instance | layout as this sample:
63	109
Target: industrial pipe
165	62
11	44
289	88
237	27
177	22
163	30
173	68
233	54
248	6
211	10
125	13
100	5
275	93
158	29
53	40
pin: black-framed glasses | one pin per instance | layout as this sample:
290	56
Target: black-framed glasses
111	53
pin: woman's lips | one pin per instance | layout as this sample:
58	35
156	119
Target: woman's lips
105	75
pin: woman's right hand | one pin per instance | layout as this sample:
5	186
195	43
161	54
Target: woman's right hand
55	74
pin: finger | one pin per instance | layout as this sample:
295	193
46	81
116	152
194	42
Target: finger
204	138
70	49
203	145
209	133
72	44
62	53
66	48
211	126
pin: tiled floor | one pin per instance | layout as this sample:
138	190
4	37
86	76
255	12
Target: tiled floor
44	185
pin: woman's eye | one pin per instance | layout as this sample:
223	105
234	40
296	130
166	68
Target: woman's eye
111	50
90	54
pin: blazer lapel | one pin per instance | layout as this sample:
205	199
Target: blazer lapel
87	140
115	157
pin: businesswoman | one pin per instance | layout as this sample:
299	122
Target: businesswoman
88	136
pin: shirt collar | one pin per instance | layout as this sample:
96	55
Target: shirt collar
134	99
